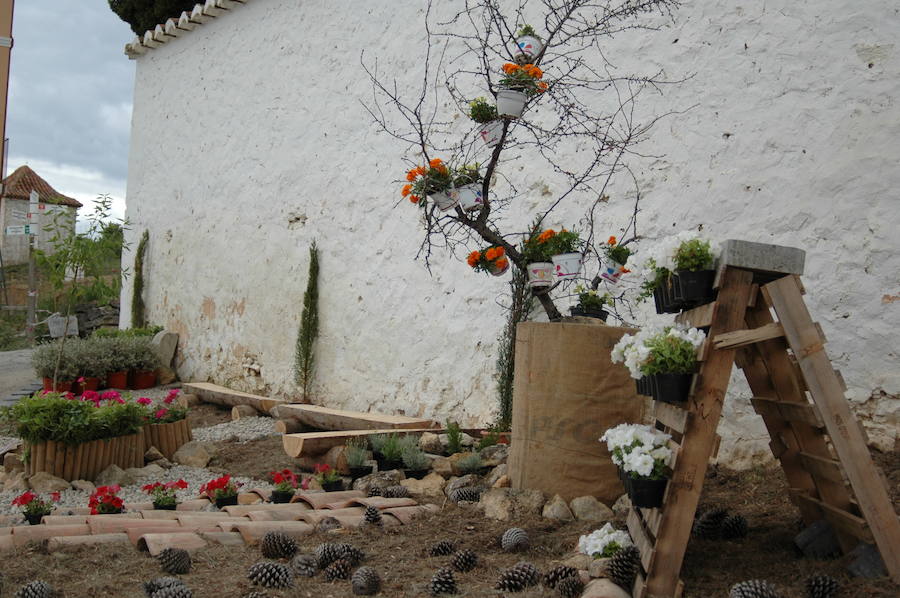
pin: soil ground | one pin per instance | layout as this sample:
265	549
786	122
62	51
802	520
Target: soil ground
710	568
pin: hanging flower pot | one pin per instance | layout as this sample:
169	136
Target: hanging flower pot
470	197
540	274
500	268
589	312
693	288
529	47
491	132
671	388
511	103
566	265
645	493
444	200
611	272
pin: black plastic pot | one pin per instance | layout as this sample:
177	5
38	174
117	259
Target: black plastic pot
34	519
360	472
280	496
385	465
416	474
589	312
694	288
166	507
644	386
646	494
665	299
335	486
671	388
228	501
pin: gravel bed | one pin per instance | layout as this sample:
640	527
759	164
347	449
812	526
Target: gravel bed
242	430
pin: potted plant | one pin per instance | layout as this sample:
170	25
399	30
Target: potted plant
603	543
432	181
467	191
616	257
163	494
485	114
528	44
223	491
93	363
518	84
590	303
105	500
642	455
59	359
390	453
34	507
565	253
666	357
491	260
694	272
144	363
285	482
536	253
357	454
682	257
118	361
328	477
416	463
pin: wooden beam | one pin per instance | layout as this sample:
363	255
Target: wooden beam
784	296
325	418
742	338
316	443
841	519
802	412
671	416
826	468
699	317
219	395
641	539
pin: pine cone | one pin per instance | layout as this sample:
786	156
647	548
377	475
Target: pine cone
328	553
443	582
557	574
271	575
35	589
256	595
709	524
352	554
515	539
305	565
376	491
570	587
397	491
365	582
518	577
464	560
152	586
173	592
821	586
442	548
174	561
754	588
465	495
734	526
373	517
623	567
277	545
340	569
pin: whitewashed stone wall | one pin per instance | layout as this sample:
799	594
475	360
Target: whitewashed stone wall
249	141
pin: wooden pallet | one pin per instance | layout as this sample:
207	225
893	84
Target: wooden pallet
821	446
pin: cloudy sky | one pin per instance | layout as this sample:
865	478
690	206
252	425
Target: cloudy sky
70	96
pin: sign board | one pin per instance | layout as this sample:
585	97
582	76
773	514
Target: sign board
19	214
20	229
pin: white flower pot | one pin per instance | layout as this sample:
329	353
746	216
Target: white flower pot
540	274
491	132
566	265
501	272
444	201
470	197
611	272
529	47
511	103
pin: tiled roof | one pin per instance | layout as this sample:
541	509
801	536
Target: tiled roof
178	26
23	181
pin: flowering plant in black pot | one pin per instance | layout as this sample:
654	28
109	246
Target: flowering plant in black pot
662	360
590	303
285	482
678	272
642	454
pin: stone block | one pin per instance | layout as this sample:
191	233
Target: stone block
588	508
114	475
45	482
557	509
818	541
164	345
13	462
867	562
604	588
762	257
431	486
496	504
192	454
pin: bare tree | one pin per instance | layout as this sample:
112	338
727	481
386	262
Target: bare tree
584	126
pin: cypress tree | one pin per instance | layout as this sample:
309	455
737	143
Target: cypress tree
304	359
137	293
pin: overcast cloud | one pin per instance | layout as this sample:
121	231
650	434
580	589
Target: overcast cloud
70	96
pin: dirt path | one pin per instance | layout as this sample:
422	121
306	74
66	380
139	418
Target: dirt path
15	372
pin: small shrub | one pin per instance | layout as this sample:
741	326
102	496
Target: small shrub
356	452
470	464
392	450
410	441
127	332
492	438
454	437
415	459
377	441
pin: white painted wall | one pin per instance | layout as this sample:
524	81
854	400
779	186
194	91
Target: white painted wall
249	141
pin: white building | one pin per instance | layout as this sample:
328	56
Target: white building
250	140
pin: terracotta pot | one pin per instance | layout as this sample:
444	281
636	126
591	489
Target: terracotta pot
90	384
142	380
48	384
117	379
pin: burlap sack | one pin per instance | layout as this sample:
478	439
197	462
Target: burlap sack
567	393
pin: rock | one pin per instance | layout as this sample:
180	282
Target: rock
497	504
45	482
455	459
497	473
164	345
192	454
578	560
818	541
84	486
588	508
164	463
466	440
502	482
148	471
431	443
431	486
604	588
188	400
16	482
442	467
867	562
379	479
495	455
313	485
166	375
528	501
597	567
2	477
622	505
556	508
114	475
152	455
13	462
466	481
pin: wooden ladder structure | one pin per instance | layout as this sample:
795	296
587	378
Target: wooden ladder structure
821	446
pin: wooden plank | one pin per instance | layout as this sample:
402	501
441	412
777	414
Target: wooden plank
784	296
801	412
742	338
641	539
651	518
326	418
219	395
841	519
698	441
317	443
699	317
671	416
826	468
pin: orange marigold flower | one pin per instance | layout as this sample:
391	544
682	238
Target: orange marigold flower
500	251
414	198
442	169
435	162
546	235
406	190
624	270
473	258
420	170
490	255
542	86
501	264
611	241
528	66
535	72
411	175
510	68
